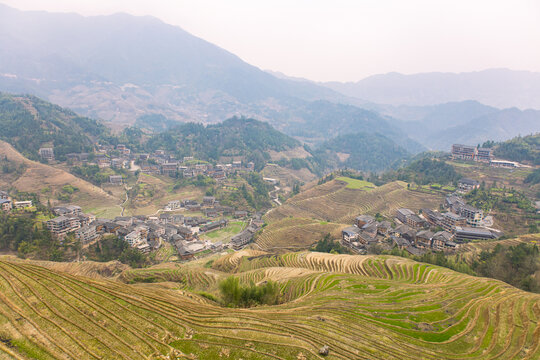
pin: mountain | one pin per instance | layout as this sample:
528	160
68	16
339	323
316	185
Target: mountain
498	126
29	123
125	69
439	126
501	88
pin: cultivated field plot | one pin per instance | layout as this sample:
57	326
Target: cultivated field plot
362	307
479	246
293	234
225	234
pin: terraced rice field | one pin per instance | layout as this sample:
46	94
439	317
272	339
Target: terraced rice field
335	202
362	307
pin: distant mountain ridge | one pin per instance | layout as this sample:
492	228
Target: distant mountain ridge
470	122
126	69
501	88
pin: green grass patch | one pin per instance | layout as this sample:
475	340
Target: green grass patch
356	184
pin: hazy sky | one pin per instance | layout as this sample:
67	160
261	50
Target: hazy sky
347	40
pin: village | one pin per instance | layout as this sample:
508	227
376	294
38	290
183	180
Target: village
149	233
160	162
426	229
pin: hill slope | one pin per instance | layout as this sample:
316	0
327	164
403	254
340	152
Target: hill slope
37	177
29	123
335	300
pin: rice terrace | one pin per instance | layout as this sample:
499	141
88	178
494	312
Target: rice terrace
361	307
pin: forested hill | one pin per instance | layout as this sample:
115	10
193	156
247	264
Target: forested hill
29	123
361	151
522	149
234	137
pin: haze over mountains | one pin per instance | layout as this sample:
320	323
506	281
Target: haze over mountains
501	88
122	68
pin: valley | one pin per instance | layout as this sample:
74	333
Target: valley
163	198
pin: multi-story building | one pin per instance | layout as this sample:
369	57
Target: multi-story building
402	215
484	154
473	215
133	238
46	153
62	225
169	169
432	217
69	210
451	220
86	234
464	152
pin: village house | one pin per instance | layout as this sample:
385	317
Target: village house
116	179
209	200
173	205
405	232
240	214
442	241
463	233
400	242
22	204
363	220
350	234
5	205
465	185
213	226
4	194
423	239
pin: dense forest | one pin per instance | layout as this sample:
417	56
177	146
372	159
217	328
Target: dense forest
234	137
360	151
427	171
29	123
522	149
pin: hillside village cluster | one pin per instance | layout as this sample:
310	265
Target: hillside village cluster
158	163
427	230
479	154
147	233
